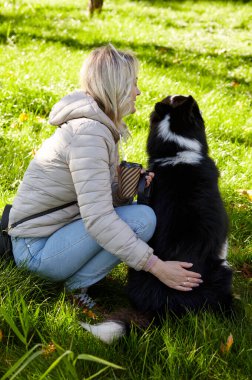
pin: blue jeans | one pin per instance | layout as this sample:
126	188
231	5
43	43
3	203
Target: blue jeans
72	256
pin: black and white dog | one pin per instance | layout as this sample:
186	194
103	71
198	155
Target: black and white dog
192	223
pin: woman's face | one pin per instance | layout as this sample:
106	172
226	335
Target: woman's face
135	92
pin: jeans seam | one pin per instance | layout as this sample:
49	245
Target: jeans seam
135	223
99	271
62	250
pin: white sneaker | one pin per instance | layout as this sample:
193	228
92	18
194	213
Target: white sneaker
83	299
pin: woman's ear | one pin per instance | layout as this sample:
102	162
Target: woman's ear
161	109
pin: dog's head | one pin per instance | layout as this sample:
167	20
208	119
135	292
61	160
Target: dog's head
177	123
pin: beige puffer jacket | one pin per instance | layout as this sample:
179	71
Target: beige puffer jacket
78	162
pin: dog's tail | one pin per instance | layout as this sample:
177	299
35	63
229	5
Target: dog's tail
117	325
107	331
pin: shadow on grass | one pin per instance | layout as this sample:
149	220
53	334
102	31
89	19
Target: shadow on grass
175	4
23	30
156	55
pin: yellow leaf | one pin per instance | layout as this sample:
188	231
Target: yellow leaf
226	347
92	315
246	193
85	310
23	117
230	341
89	313
235	83
49	349
1	335
222	348
33	152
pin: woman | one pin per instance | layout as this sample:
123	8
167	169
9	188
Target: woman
80	243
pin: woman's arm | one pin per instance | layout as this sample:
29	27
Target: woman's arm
90	157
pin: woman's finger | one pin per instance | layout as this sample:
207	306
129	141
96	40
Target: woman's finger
194	280
187	272
151	174
191	274
182	288
192	284
184	264
188	285
190	281
148	180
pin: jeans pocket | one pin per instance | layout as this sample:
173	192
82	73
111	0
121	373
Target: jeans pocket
34	245
26	251
35	248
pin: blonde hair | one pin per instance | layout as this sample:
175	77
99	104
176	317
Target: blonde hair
108	76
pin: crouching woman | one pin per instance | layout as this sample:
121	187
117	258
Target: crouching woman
93	228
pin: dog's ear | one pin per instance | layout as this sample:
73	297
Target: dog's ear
192	105
161	109
182	101
185	102
190	101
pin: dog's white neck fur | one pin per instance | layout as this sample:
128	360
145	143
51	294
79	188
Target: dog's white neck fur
167	135
192	154
184	157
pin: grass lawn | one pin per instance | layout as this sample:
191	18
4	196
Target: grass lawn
202	48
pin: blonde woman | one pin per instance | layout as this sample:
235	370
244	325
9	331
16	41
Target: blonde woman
77	168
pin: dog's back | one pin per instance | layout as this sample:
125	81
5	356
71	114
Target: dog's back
191	220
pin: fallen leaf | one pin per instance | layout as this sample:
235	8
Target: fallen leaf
49	349
237	296
33	152
23	117
92	315
226	347
235	84
89	313
247	270
246	193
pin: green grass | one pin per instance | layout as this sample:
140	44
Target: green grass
202	48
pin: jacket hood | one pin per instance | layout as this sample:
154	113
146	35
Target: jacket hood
78	105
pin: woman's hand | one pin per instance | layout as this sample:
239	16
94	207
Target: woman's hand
149	177
175	274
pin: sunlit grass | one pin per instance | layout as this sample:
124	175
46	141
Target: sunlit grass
202	48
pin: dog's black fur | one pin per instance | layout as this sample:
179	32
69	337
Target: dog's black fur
192	223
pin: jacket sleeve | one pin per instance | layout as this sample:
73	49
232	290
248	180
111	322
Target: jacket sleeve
89	160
